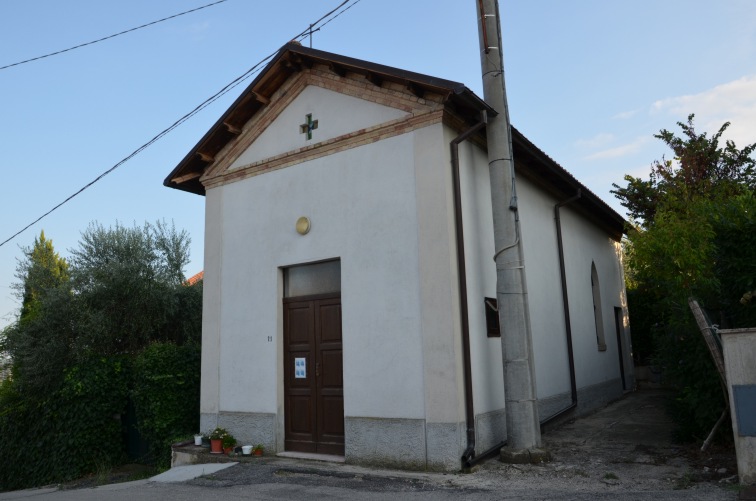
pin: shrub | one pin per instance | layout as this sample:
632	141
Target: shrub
166	395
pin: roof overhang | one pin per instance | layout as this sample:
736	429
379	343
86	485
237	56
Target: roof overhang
530	161
292	58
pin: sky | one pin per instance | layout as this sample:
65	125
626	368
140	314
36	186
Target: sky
588	81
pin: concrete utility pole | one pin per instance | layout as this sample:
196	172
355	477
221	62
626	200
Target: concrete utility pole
523	427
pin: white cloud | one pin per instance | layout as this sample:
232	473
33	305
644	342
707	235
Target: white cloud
597	141
733	102
625	115
619	151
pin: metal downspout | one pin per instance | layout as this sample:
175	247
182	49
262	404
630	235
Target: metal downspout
566	307
462	282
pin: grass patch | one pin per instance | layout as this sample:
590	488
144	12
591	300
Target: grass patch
610	476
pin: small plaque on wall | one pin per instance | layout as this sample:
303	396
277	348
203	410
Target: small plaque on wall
744	396
300	368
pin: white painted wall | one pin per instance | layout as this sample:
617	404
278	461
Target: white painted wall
361	204
337	114
544	289
439	294
585	243
488	374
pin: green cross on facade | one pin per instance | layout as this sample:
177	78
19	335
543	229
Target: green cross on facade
309	126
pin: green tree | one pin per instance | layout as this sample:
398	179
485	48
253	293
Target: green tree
41	269
701	168
38	343
117	322
694	219
131	282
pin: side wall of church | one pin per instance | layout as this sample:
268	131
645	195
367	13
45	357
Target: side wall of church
597	370
597	366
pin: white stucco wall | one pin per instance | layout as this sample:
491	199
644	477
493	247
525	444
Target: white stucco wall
439	295
362	213
583	243
539	242
488	374
327	107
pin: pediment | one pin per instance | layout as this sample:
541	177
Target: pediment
337	111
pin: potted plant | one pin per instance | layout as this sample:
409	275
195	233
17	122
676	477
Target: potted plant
228	442
258	450
216	440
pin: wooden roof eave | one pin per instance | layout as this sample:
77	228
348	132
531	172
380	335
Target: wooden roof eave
291	58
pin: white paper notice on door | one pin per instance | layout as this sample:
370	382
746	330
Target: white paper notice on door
300	368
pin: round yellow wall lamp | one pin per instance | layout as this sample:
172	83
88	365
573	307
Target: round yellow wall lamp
303	225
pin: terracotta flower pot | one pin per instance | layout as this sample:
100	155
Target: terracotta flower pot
216	446
228	450
257	452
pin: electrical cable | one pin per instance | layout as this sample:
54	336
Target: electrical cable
244	76
109	36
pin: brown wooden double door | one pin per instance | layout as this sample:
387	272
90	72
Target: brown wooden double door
313	374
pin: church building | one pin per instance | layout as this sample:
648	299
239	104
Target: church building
333	284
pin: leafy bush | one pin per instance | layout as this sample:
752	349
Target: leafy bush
166	395
694	237
68	434
121	300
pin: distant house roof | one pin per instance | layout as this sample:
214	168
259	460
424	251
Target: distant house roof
530	161
195	278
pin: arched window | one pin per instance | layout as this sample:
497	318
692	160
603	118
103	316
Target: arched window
597	315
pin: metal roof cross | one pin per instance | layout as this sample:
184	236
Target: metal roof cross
309	126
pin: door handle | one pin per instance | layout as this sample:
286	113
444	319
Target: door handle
317	369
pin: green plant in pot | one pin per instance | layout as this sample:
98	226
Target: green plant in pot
217	436
258	450
228	442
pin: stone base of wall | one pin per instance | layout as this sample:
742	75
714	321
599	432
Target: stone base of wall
249	428
589	398
490	429
389	443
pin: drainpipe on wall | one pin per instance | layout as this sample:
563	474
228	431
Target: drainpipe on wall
566	307
469	453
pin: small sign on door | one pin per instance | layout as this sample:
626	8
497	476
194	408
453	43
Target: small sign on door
300	368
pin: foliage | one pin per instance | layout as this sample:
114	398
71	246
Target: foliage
125	291
228	441
218	434
696	238
226	438
68	433
166	395
43	345
40	270
121	300
701	169
43	279
120	271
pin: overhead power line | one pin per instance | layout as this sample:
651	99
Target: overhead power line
204	104
110	36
